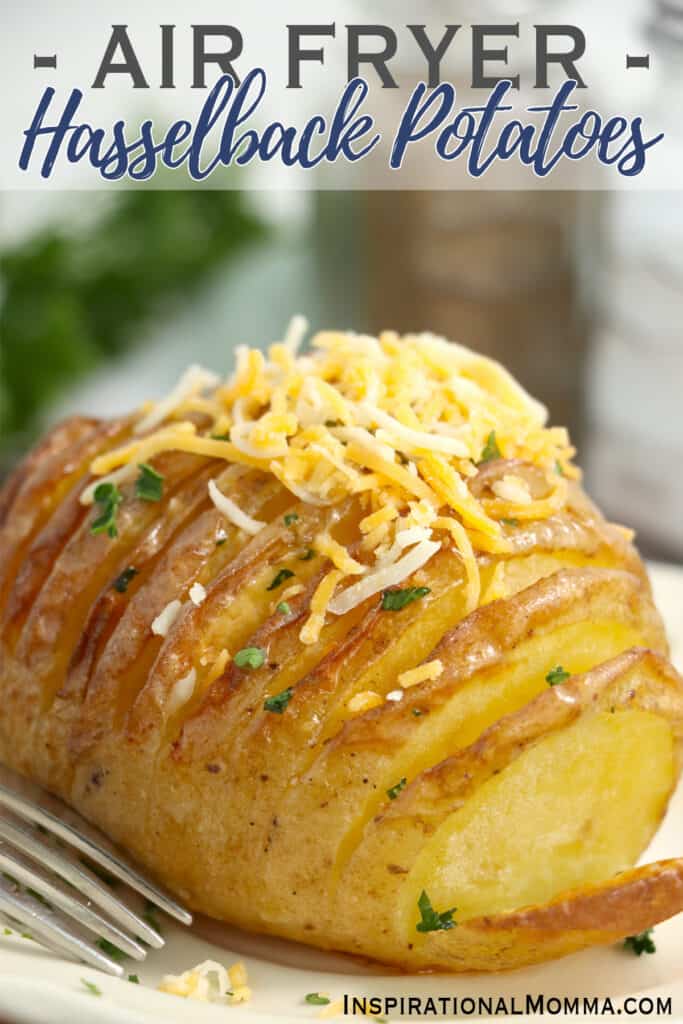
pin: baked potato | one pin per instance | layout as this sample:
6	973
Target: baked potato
340	651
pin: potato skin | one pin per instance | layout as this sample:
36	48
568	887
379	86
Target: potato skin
282	823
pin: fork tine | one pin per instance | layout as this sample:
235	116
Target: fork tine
57	894
50	931
98	852
78	875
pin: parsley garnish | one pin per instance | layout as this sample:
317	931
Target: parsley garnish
307	555
109	497
111	950
220	437
431	920
91	987
250	657
134	979
315	999
510	522
417	712
558	468
282	575
220	541
121	582
291	517
149	486
279	702
640	944
6	931
490	451
395	790
395	600
557	675
283	608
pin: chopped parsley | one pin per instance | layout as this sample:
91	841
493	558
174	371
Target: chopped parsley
108	497
431	920
307	555
220	437
121	582
134	979
291	517
490	451
557	675
149	486
111	950
417	712
334	423
283	608
395	790
558	468
6	931
510	522
279	702
315	999
250	657
395	600
220	541
642	943
281	576
91	987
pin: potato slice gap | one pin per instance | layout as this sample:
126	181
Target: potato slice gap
571	791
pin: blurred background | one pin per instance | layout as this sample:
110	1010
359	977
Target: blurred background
106	297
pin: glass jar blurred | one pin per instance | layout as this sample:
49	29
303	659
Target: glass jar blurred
636	368
501	271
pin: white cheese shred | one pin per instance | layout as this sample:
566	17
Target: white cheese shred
195	380
166	618
383	579
227	507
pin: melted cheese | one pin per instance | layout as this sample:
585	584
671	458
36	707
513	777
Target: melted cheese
423	673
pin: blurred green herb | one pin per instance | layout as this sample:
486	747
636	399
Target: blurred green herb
70	299
642	943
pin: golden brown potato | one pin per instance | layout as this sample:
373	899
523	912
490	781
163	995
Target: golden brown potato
316	794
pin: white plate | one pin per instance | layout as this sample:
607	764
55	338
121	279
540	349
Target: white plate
38	988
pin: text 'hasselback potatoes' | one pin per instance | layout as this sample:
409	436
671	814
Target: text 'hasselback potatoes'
339	650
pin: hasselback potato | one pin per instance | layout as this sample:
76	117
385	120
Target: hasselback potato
340	651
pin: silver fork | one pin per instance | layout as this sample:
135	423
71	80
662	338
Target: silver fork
57	878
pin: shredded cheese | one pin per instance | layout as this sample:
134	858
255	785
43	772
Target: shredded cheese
197	594
181	692
217	667
227	507
364	701
209	982
423	673
195	380
401	425
338	555
319	603
512	488
383	579
166	618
